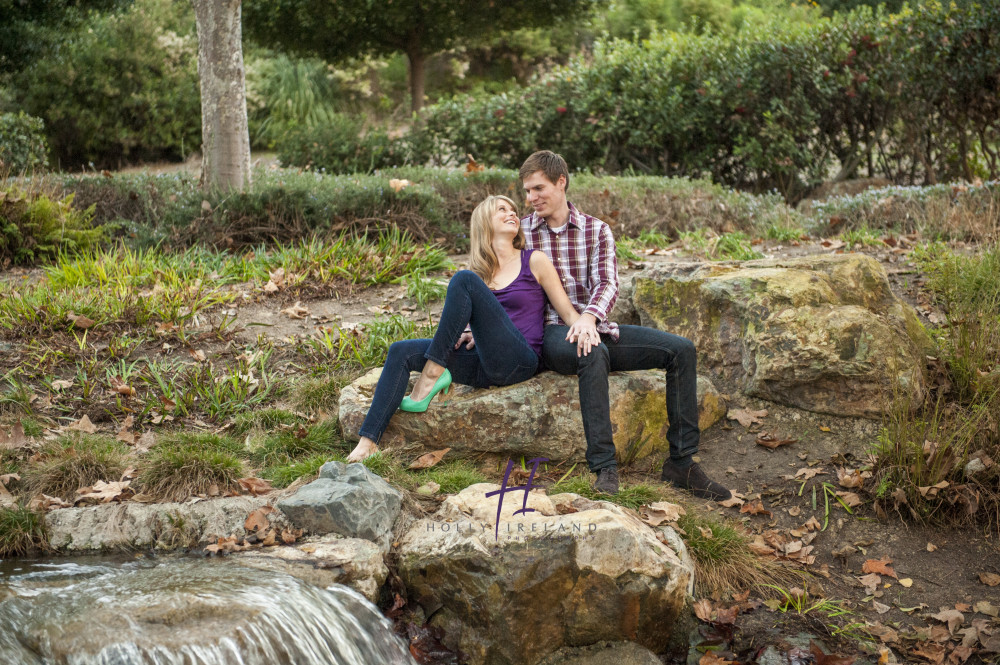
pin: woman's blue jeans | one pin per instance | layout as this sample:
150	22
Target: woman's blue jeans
500	357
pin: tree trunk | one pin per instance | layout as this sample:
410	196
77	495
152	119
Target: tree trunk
225	162
416	58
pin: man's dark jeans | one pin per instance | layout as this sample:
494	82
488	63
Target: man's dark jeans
636	348
501	356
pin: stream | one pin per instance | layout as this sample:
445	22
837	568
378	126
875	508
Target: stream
182	611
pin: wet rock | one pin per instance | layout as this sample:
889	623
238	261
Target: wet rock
162	525
537	418
346	499
572	573
324	561
822	333
620	653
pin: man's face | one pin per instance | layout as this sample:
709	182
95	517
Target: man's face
545	196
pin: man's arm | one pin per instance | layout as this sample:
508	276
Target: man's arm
602	281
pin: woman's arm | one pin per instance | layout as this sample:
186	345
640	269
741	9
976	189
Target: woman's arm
546	274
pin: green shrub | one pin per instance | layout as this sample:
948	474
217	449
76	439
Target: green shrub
780	108
22	143
34	226
123	87
340	145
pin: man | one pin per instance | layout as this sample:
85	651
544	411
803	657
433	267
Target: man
583	251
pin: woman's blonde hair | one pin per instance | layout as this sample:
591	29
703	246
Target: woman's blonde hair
483	260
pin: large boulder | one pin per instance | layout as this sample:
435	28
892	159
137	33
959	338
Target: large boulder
346	499
536	418
132	525
324	561
572	573
822	333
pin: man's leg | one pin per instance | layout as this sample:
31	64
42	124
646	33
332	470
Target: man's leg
592	372
647	348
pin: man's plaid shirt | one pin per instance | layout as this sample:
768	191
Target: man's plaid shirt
584	254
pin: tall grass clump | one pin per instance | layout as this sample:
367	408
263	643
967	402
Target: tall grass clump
65	465
936	461
175	472
22	530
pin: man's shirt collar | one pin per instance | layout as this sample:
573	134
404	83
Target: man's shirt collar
574	218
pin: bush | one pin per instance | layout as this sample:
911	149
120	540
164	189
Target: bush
22	143
175	472
122	88
341	146
34	226
766	109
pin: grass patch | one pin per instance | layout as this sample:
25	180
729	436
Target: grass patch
367	346
283	476
21	531
266	419
453	476
862	237
321	394
69	463
287	446
424	290
176	472
784	233
203	441
723	562
629	496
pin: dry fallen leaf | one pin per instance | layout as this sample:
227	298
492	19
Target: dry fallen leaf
257	520
850	498
102	492
989	579
44	502
14	439
736	499
84	425
931	547
770	441
850	478
430	459
928	650
61	384
703	609
870	581
79	320
755	508
430	488
880	566
759	547
906	582
879	607
953	618
296	311
119	386
712	658
256	486
399	184
829	659
659	512
198	355
746	417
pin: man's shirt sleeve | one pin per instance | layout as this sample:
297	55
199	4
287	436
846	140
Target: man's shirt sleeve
603	275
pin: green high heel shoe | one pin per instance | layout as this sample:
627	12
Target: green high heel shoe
413	406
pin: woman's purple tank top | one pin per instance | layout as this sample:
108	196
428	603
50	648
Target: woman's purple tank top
524	300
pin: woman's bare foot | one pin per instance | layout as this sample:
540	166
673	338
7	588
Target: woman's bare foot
365	448
425	382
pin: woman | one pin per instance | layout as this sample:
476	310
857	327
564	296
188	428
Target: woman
502	299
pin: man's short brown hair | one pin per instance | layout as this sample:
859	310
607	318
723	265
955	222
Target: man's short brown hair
549	163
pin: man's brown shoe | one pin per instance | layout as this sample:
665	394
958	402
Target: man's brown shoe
607	480
695	481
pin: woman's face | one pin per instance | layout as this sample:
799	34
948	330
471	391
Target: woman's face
505	220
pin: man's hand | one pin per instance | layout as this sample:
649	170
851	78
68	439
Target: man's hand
466	338
584	334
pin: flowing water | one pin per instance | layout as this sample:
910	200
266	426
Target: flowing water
183	612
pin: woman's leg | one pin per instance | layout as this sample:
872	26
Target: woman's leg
403	357
502	355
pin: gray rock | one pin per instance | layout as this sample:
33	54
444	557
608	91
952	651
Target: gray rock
346	499
324	561
133	525
619	653
572	573
536	418
822	333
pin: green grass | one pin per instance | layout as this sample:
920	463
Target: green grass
783	233
862	237
285	475
453	476
176	472
21	531
287	446
266	419
424	290
203	441
322	393
734	246
382	464
629	496
71	462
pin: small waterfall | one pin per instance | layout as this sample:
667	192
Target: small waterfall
185	612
